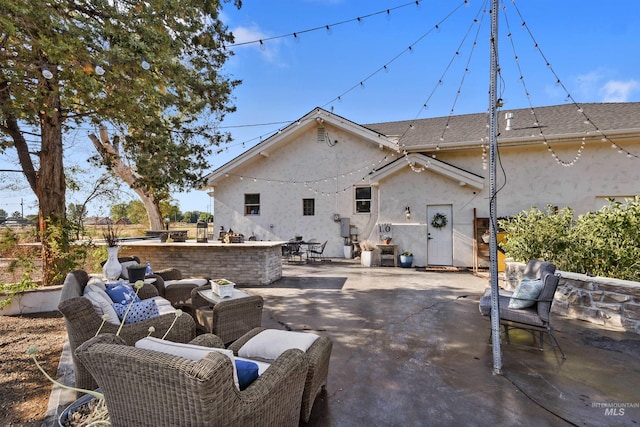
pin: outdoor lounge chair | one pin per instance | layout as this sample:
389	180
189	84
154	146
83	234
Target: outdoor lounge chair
535	318
170	282
83	321
318	355
144	387
177	288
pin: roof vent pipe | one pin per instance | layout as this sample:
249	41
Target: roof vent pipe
509	118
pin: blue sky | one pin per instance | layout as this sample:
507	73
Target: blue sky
592	47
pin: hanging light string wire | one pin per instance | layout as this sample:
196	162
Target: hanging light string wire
361	82
327	27
587	119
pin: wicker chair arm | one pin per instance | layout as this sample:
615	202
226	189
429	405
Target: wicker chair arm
237	344
169	274
287	371
207	340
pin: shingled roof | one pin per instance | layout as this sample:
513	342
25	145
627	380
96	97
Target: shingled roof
555	121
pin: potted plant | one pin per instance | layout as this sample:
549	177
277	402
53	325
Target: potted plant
348	248
406	259
366	257
386	239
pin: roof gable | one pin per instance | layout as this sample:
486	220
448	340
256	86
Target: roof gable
416	160
316	118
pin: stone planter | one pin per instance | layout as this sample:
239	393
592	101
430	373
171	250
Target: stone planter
73	407
366	258
348	251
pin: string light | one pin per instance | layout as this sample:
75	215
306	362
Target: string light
327	27
46	73
587	120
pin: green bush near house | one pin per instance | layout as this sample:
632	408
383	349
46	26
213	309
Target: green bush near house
601	243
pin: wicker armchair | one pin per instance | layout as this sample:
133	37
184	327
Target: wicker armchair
228	319
82	322
317	355
177	288
149	388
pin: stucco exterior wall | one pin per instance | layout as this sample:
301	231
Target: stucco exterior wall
327	171
305	168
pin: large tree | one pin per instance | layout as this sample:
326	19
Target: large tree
149	69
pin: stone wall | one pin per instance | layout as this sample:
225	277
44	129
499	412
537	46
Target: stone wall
244	264
608	302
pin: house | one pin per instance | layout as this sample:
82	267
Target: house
425	183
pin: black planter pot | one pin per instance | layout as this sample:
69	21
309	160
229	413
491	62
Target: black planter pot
136	273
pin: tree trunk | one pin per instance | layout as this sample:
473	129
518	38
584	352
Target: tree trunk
50	190
110	153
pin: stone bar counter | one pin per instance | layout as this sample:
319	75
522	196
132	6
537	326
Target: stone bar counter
247	264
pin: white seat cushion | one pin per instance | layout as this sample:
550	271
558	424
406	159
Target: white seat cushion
188	351
271	343
164	306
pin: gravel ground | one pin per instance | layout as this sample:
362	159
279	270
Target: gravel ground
24	390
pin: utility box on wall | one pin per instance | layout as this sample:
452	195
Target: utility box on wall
345	227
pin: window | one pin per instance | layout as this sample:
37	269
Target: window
308	207
252	204
363	199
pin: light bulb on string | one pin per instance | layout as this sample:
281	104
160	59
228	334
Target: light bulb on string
46	73
99	70
145	65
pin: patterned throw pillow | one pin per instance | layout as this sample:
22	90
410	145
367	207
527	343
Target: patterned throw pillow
121	293
143	310
525	294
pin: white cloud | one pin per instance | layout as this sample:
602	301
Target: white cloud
268	48
598	86
618	90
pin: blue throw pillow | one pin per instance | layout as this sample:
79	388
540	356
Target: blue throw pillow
121	293
143	310
247	373
526	293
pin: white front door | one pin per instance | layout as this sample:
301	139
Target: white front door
439	239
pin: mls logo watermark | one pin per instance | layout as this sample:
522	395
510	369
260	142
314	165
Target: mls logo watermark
615	409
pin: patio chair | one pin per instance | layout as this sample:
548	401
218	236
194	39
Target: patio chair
293	249
318	355
535	318
229	319
316	252
83	321
177	288
144	387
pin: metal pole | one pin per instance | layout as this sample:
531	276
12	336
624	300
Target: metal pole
493	147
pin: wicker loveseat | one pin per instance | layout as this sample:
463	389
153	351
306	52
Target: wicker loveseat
144	387
83	321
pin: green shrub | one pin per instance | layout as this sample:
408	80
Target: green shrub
602	243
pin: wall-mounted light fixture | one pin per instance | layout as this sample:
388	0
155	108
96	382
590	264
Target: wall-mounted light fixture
407	212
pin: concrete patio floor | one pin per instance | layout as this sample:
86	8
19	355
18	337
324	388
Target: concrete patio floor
411	349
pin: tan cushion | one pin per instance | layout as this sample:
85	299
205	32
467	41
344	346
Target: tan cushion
271	343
